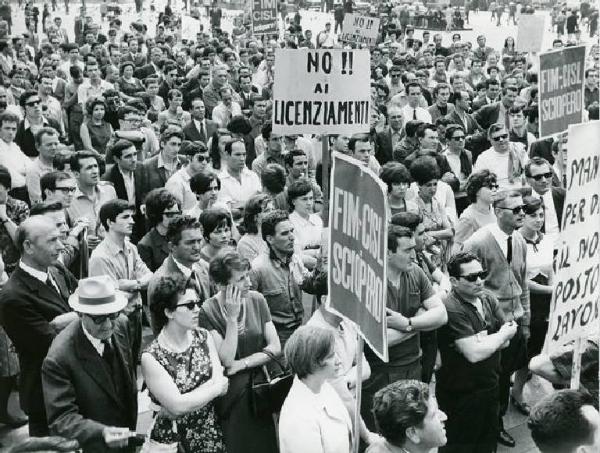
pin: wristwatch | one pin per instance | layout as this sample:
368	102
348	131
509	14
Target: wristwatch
409	328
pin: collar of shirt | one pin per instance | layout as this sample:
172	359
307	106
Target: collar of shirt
27	125
499	235
113	247
186	271
80	194
162	164
96	343
39	275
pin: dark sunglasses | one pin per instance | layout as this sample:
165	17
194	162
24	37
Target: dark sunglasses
543	175
190	305
473	277
33	103
100	319
515	210
202	158
500	137
460	137
171	214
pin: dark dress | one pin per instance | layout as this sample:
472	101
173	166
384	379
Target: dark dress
99	135
199	431
243	431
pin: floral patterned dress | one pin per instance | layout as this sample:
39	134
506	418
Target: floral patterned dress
198	431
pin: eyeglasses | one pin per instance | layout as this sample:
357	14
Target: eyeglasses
473	277
515	210
171	214
201	158
100	319
543	175
460	137
33	103
500	137
66	189
191	304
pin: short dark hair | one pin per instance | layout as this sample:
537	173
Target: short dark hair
532	204
289	157
166	295
558	424
424	127
478	180
111	209
399	406
536	161
5	178
156	201
200	182
297	189
229	145
8	117
170	132
424	169
79	155
357	138
42	132
396	232
273	178
180	224
49	180
223	263
307	348
190	149
394	173
120	146
45	207
214	218
451	129
407	219
253	207
26	95
270	222
457	260
92	102
411	127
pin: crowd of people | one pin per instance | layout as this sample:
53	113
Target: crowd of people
154	228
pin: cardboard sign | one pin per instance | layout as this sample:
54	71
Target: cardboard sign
530	33
560	85
325	91
576	294
264	17
360	29
357	249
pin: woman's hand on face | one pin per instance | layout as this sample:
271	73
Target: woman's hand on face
233	302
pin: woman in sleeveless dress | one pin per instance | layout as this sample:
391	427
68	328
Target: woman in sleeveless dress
183	373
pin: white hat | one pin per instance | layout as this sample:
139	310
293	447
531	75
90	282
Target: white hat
97	296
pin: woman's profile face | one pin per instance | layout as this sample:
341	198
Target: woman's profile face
331	365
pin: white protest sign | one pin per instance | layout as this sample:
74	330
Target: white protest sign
360	29
576	293
530	33
325	91
189	27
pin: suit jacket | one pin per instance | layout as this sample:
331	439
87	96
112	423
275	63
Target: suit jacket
153	177
139	60
558	197
114	176
27	307
80	393
487	115
25	139
169	267
383	146
153	249
472	125
435	113
191	132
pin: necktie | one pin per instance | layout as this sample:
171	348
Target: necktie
109	355
543	230
414	114
506	120
202	132
509	249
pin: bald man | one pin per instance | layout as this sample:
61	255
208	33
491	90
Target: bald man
34	308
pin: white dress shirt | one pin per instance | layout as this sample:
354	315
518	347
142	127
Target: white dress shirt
179	186
238	191
422	114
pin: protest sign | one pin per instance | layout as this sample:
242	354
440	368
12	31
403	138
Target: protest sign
325	91
530	33
561	89
264	17
576	292
189	27
357	249
360	29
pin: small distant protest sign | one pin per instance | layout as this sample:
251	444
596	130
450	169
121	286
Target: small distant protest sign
360	30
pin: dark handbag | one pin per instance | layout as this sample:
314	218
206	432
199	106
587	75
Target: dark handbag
269	386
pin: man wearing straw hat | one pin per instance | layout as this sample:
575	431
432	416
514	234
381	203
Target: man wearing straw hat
88	375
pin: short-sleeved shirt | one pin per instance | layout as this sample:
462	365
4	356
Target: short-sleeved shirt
83	206
255	314
405	296
457	374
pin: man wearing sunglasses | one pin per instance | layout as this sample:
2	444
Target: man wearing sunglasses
470	345
502	251
539	176
31	103
88	376
198	160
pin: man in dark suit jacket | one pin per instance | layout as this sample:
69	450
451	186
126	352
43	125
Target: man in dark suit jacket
491	114
158	169
199	128
34	309
88	375
31	103
188	231
390	136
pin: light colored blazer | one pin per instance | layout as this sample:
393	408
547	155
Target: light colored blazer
312	423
